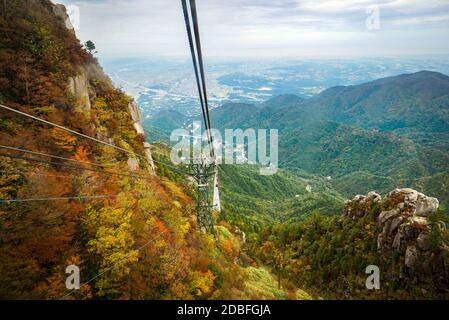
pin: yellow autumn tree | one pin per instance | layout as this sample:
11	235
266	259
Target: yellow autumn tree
201	283
62	139
9	183
112	243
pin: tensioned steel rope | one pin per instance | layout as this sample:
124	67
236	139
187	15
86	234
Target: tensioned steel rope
83	135
13	156
201	171
57	157
193	54
16	172
195	51
42	198
109	267
113	265
196	29
70	130
54	156
59	198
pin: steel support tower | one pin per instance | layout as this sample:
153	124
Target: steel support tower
202	173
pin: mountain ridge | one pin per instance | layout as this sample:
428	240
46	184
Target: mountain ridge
82	203
392	135
134	235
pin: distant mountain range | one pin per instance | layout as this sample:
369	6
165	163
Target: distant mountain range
411	100
388	133
383	134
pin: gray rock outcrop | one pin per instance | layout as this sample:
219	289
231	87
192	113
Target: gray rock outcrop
60	11
149	156
133	164
136	116
79	88
137	122
403	229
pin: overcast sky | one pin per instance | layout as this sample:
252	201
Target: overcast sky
266	28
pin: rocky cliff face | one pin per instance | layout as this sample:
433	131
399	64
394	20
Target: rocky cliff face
60	11
407	235
79	86
137	122
136	116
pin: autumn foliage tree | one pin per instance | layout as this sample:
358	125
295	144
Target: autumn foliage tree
141	240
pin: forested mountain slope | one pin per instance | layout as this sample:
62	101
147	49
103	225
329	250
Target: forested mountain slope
138	237
132	230
251	201
388	133
402	233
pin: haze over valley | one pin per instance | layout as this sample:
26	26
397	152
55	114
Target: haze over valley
168	85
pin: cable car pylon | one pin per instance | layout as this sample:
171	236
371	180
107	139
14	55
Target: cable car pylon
216	205
203	170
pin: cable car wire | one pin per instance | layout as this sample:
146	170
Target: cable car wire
196	29
12	156
72	131
54	156
86	136
58	198
195	50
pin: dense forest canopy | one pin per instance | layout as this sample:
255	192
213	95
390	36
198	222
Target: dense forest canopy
292	235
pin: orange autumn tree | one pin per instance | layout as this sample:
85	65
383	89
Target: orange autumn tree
81	154
65	141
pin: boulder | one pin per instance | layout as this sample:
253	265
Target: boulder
384	216
419	221
423	241
397	241
411	256
403	226
375	197
426	205
395	224
133	164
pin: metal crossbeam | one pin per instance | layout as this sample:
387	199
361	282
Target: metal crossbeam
202	174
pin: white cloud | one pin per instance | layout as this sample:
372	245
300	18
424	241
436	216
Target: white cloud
419	20
335	6
263	28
